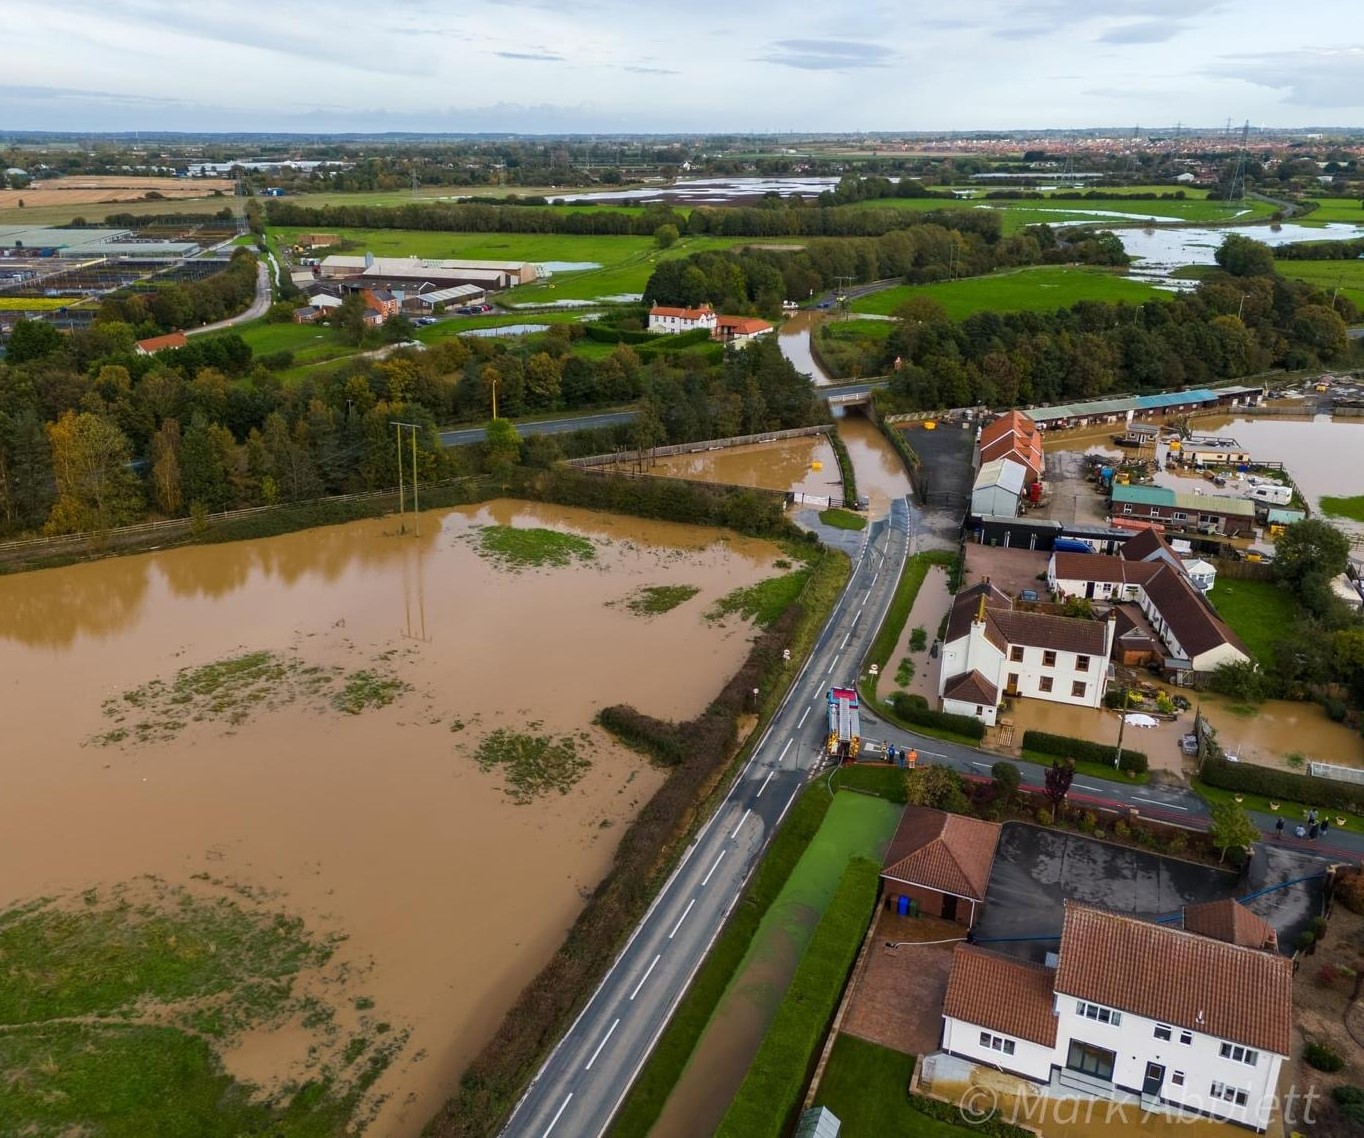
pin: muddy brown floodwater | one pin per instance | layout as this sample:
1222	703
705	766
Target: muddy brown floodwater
377	826
787	464
794	339
880	473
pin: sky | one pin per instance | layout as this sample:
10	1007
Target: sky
607	66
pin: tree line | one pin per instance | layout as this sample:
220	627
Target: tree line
94	436
756	279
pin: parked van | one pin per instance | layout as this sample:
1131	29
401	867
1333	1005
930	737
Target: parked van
1272	493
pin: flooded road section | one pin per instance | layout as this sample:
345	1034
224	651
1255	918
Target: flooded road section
794	339
877	467
787	464
377	826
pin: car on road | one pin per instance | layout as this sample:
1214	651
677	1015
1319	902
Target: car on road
474	309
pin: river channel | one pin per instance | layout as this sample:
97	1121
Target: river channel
377	826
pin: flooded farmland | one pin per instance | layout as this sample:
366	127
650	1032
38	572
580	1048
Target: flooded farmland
378	827
806	465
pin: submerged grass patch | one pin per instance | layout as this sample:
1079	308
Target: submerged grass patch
654	600
113	1008
1344	507
532	765
761	603
231	690
515	548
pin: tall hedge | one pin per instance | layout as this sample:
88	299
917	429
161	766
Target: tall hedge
1286	786
771	1091
1085	750
917	713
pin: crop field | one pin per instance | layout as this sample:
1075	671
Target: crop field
1022	290
58	200
1335	209
1348	276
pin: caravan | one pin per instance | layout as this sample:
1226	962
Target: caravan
1271	493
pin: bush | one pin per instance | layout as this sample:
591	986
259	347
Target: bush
1006	776
1350	891
277	361
918	639
652	737
1350	1102
1306	939
1283	786
910	710
1323	1058
1044	817
1086	750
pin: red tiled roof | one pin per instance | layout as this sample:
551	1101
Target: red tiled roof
683	313
949	853
1099	567
971	687
1188	613
1013	435
162	343
1043	630
1232	922
1177	977
1002	993
741	325
1145	545
967	605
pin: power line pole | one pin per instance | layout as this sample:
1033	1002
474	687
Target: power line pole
401	500
414	428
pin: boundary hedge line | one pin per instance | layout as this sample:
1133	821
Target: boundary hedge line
845	469
771	1091
917	712
1284	786
1063	746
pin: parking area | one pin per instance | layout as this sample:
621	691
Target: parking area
1037	869
1012	570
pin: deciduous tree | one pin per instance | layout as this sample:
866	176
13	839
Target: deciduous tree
96	488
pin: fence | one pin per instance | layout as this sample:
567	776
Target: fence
640	456
1244	570
1340	774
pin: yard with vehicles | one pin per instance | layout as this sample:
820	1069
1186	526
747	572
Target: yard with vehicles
1041	289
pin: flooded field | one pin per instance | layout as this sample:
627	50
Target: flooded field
378	826
1267	735
788	464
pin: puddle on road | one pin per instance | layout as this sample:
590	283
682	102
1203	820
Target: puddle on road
378	826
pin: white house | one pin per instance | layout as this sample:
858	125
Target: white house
998	487
1173	1018
1202	574
669	321
1150	574
991	650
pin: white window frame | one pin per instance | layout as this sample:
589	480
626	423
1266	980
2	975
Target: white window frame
1186	1038
1163	1031
1225	1093
1177	1078
991	1042
1238	1053
1097	1012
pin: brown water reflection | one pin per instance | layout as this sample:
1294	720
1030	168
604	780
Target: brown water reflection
787	464
378	826
794	338
880	473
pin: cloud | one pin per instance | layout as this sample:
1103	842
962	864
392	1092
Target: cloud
1043	17
1312	77
636	70
1148	31
536	56
828	55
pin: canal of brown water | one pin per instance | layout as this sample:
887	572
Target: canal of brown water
378	826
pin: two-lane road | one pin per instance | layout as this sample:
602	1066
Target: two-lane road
585	1078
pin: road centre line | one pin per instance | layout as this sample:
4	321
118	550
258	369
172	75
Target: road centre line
609	1031
647	971
1157	802
834	665
784	750
553	1122
1083	786
706	880
682	918
803	718
845	642
764	785
740	826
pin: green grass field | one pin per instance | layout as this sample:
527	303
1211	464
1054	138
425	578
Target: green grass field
866	1087
1348	276
1042	289
1258	612
1030	211
1335	209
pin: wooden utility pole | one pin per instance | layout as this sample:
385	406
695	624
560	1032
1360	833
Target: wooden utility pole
414	428
399	428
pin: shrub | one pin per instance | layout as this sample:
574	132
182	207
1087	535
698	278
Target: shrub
1282	785
1085	750
1089	822
653	737
1121	830
1306	939
1133	762
1044	817
1335	709
913	710
1350	891
918	639
1350	1102
1006	776
1323	1058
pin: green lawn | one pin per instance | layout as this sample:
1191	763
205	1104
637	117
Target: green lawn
310	343
1352	507
1292	812
1258	612
859	330
842	519
1042	289
1348	276
866	1086
1085	768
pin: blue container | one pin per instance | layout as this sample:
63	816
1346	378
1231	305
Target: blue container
903	907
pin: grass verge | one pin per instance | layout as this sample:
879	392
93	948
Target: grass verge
842	519
1292	813
866	1086
901	604
1338	507
770	1092
1086	769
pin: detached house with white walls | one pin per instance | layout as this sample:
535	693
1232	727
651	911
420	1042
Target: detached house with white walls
1162	1018
992	650
668	321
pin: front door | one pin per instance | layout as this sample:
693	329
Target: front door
949	907
1155	1079
1012	687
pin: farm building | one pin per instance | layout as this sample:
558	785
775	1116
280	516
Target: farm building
1013	436
998	488
1207	513
427	302
417	270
